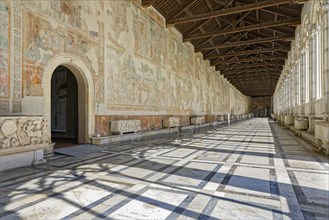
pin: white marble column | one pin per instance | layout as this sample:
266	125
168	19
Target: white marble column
292	93
312	76
312	64
325	55
302	76
297	78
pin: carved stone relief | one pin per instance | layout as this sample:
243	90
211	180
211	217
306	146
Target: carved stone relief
23	131
124	126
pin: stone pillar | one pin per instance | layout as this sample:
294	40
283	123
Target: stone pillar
296	86
325	63
292	94
302	82
312	66
311	123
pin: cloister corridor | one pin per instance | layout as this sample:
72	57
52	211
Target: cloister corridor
254	169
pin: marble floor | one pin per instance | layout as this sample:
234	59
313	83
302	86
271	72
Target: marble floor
254	169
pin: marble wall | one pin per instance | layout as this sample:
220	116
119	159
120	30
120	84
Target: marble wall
138	66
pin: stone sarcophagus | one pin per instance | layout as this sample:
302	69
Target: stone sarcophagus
125	126
197	120
289	119
301	124
23	141
170	122
322	133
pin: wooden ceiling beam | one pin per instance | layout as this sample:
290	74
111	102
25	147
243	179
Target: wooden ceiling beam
246	42
250	65
293	21
147	3
247	52
195	27
249	70
180	9
250	79
253	73
242	85
228	11
249	60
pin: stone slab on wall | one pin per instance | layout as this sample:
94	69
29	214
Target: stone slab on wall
148	122
170	122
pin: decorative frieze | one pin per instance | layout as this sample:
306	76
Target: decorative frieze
170	122
125	126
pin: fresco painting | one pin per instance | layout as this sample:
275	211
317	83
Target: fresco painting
116	17
33	80
4	49
137	64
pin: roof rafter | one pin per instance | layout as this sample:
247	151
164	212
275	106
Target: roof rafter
257	51
247	42
293	21
229	11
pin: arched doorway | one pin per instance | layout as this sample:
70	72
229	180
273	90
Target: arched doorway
64	107
85	84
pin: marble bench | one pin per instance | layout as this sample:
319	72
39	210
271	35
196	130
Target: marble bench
170	122
125	126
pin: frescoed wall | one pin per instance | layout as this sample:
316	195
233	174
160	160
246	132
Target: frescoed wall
4	55
138	66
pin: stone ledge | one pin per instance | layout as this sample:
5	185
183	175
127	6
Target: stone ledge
310	138
14	150
136	136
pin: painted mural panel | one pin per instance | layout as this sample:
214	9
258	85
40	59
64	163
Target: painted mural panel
33	80
4	49
116	17
73	14
44	40
142	36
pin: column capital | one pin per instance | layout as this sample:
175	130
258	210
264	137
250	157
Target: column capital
324	7
315	28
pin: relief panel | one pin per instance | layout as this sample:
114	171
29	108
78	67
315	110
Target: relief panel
23	131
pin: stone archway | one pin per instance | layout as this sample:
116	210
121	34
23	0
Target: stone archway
86	90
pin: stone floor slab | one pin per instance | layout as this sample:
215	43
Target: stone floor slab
255	169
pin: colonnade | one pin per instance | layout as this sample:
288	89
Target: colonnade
301	98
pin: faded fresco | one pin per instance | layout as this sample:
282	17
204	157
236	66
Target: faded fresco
4	49
137	64
45	38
